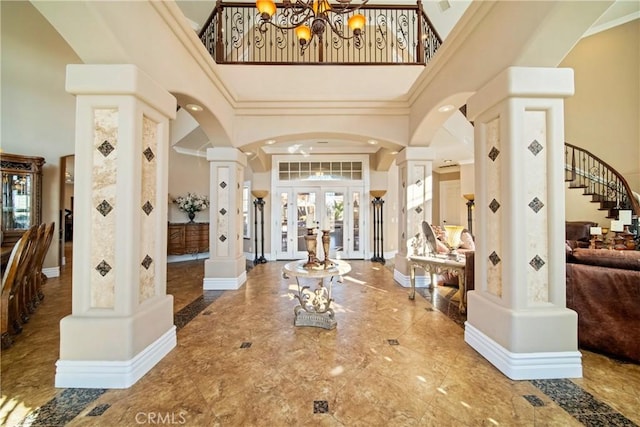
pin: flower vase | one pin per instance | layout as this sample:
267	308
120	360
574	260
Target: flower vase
191	215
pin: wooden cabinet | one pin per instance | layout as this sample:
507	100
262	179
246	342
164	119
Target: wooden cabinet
21	203
188	238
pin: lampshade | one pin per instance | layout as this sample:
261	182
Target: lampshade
260	194
469	197
321	6
357	22
454	234
303	33
377	193
267	7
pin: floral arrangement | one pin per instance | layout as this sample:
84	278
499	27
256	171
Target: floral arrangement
192	203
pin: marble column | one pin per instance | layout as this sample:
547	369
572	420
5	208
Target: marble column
415	198
121	323
226	267
517	316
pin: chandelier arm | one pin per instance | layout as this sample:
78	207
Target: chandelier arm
347	8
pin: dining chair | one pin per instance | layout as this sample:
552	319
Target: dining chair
8	316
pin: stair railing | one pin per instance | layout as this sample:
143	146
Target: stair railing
601	181
394	35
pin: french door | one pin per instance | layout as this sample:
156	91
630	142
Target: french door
333	208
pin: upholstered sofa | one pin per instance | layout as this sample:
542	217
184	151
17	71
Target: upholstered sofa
577	233
603	287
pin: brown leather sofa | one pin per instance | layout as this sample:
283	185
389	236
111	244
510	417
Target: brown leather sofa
603	287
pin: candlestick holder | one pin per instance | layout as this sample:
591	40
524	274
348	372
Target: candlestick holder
618	242
310	239
326	238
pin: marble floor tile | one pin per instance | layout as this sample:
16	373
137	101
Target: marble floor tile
240	361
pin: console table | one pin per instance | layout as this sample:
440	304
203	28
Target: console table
434	265
315	305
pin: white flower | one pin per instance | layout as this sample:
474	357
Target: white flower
192	203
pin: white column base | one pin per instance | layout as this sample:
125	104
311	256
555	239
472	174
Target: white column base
525	366
51	271
405	281
224	283
113	374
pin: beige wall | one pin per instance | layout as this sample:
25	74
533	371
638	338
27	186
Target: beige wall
603	115
187	174
38	116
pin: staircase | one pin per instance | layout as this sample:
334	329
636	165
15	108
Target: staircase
599	181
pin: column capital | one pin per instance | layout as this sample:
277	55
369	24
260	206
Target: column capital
226	154
415	154
119	79
524	82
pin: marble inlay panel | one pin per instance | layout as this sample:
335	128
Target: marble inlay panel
535	154
493	165
103	199
419	194
147	217
239	233
222	221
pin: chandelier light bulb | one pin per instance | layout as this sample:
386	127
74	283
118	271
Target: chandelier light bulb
303	33
356	23
267	8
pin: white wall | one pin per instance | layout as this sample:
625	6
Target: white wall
38	116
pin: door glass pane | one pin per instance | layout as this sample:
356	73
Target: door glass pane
334	219
305	216
284	205
356	221
16	201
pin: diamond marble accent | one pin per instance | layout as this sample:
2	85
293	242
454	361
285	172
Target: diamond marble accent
320	407
536	204
535	147
146	262
147	208
494	205
393	342
223	211
418	209
493	154
148	153
494	258
223	238
223	184
105	148
104	208
99	410
245	344
536	263
534	400
419	183
103	268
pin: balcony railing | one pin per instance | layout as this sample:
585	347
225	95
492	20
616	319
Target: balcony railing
394	34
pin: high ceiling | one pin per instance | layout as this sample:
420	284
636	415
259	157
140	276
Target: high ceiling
453	142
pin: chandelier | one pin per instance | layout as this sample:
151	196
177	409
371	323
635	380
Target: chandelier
310	18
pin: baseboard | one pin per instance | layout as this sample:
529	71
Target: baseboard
224	283
113	374
405	281
187	257
51	271
524	366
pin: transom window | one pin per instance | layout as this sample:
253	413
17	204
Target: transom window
328	171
